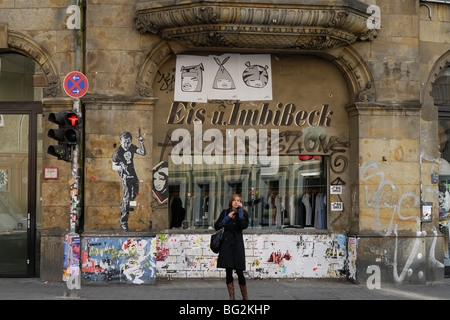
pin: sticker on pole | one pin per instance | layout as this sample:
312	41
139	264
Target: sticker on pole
76	84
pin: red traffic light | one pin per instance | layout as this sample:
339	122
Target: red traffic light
72	119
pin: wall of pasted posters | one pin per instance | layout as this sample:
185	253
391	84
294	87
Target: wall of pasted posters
267	256
118	260
143	260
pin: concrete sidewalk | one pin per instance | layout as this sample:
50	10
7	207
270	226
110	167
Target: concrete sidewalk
215	289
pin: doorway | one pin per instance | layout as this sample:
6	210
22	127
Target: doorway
20	192
20	165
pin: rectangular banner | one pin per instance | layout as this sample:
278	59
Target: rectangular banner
225	77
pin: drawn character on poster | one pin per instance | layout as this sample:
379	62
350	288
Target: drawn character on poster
255	76
192	78
223	79
161	181
123	163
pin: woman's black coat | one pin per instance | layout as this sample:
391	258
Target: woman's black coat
232	252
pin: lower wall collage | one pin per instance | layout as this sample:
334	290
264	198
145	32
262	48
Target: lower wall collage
144	260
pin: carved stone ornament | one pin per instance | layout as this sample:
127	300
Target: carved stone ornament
368	94
287	25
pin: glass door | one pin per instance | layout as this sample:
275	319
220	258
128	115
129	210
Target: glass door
19	190
14	193
21	91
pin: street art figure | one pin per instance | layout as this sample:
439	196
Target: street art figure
161	181
123	163
192	78
255	76
223	79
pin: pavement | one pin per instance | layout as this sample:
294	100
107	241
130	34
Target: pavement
215	289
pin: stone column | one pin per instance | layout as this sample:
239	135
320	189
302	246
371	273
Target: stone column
387	192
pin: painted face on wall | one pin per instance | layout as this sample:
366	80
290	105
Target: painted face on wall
223	84
192	78
125	143
223	79
255	76
159	181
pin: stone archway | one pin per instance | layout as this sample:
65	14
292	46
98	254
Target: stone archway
441	63
23	44
356	72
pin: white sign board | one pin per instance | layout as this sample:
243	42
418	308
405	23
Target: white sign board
224	77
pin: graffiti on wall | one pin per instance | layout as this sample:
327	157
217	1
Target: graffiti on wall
291	143
404	258
123	163
314	256
128	260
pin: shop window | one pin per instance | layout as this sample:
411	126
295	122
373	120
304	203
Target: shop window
294	197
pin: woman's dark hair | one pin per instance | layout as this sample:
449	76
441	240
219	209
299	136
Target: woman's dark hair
230	203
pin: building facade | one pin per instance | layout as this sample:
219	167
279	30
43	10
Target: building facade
329	118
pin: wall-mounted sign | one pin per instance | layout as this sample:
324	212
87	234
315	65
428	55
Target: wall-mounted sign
50	173
337	206
427	211
335	189
76	84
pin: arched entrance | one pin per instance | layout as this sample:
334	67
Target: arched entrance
441	95
20	164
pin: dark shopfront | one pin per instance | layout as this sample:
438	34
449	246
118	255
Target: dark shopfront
293	212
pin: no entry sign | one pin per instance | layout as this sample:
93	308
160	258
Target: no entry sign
75	84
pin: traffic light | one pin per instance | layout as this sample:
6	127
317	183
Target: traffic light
67	134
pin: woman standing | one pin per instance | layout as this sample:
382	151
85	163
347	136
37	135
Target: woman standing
232	253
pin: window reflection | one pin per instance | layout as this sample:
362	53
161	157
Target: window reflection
295	197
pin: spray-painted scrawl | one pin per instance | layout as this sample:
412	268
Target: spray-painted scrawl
123	163
226	77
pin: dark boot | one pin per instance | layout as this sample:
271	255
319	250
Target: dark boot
230	288
244	291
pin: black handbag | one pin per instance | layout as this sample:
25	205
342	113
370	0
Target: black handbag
216	241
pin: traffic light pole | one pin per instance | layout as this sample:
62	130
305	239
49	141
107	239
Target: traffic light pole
73	241
72	244
74	181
